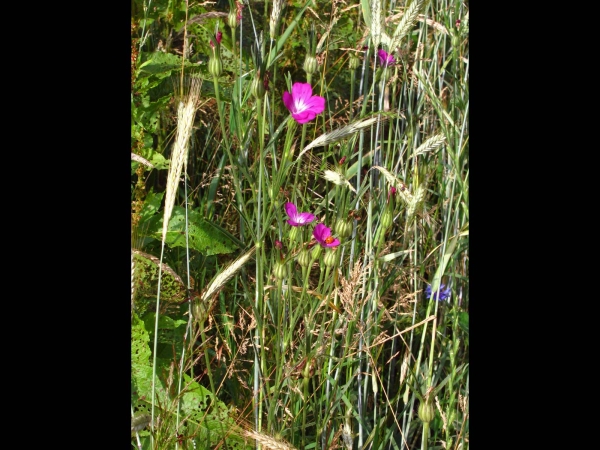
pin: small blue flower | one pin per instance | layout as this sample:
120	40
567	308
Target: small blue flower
442	295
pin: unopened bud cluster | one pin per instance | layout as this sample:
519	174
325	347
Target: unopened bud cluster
304	258
354	62
343	228
215	65
279	270
310	65
258	86
426	411
330	258
232	19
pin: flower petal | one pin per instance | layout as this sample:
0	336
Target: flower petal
305	218
288	101
304	116
291	210
316	104
333	243
321	232
302	91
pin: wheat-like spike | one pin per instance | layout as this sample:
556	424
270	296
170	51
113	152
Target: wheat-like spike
415	205
268	442
337	179
376	22
222	278
185	118
430	144
436	25
376	30
274	20
464	25
139	159
406	23
401	188
340	133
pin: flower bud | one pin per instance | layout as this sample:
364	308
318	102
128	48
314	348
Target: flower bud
330	258
257	88
232	19
199	311
304	258
343	228
386	219
279	270
215	66
310	65
294	232
426	411
354	62
316	251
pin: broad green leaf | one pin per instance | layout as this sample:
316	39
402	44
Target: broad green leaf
141	367
164	322
160	64
151	205
204	236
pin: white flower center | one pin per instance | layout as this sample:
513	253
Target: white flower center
299	105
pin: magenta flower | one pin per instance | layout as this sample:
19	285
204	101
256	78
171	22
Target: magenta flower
302	104
391	192
297	219
386	59
323	236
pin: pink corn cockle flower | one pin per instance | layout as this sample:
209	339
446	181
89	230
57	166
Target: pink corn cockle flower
386	59
391	192
297	219
218	38
302	104
323	236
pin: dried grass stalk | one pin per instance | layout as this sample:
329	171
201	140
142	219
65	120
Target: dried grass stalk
406	23
141	160
340	133
274	20
376	22
268	442
185	119
430	144
219	281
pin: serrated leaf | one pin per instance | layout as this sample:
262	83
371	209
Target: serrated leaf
141	368
160	64
204	236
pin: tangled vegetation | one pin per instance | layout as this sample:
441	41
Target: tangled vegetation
300	224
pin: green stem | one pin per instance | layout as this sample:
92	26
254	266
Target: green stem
425	436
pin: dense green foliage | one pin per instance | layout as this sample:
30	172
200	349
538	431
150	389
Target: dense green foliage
247	330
